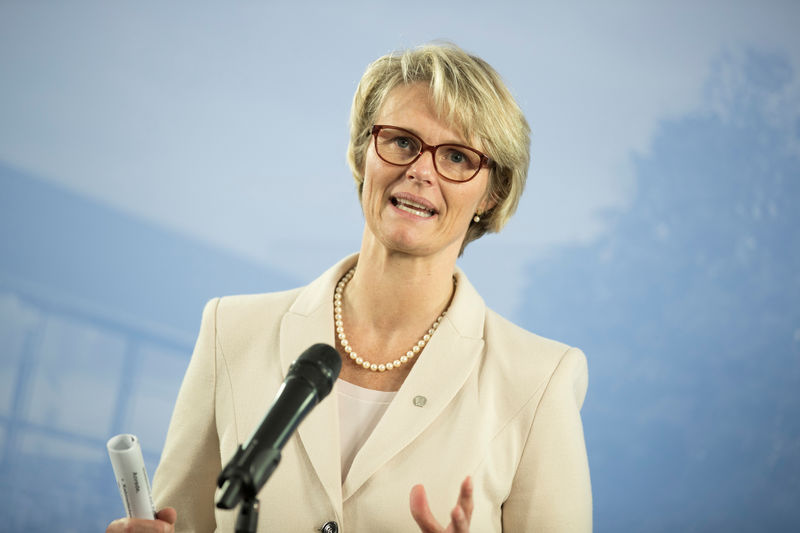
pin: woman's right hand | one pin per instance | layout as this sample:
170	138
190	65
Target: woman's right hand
460	515
164	523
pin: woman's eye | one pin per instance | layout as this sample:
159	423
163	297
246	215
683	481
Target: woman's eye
403	142
455	156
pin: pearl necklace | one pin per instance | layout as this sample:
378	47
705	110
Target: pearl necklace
357	359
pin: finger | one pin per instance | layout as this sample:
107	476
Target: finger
458	520
139	525
465	500
168	515
422	512
116	525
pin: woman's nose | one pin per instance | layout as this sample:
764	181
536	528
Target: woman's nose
423	169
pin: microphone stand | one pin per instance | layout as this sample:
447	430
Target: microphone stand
248	516
240	483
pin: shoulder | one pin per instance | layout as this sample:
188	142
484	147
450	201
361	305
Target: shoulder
522	362
528	363
503	335
255	306
240	317
248	309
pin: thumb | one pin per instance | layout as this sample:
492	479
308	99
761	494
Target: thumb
168	515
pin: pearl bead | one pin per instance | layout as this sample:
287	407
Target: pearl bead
375	367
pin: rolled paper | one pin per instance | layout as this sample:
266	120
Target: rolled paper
134	486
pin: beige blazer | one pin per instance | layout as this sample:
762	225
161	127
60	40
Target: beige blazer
501	405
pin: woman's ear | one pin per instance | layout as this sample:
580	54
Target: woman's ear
487	203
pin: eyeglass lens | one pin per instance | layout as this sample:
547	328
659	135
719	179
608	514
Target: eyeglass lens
452	161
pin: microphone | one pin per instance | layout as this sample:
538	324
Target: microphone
309	380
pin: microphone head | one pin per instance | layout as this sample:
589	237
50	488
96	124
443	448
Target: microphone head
320	366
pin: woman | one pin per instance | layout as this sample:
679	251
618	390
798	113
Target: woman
440	401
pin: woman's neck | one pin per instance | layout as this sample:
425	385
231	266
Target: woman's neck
393	290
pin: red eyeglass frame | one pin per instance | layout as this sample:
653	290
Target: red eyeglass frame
486	161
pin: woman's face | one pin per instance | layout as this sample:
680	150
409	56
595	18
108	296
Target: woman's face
411	209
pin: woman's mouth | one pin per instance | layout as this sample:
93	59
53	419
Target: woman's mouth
410	206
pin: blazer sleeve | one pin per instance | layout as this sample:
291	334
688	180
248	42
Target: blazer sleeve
190	462
551	488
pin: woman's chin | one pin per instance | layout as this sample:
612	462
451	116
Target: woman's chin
406	242
408	246
416	245
410	239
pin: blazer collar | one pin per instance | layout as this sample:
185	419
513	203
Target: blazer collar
437	376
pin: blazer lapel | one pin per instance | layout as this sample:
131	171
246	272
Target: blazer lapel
437	376
309	321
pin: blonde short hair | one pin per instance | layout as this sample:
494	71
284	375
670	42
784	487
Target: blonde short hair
469	94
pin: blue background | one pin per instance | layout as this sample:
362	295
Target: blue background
155	156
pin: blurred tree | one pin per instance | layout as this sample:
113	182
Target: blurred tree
689	312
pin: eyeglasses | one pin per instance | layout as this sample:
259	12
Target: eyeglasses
453	162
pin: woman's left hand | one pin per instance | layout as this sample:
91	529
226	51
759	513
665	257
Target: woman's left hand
459	516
